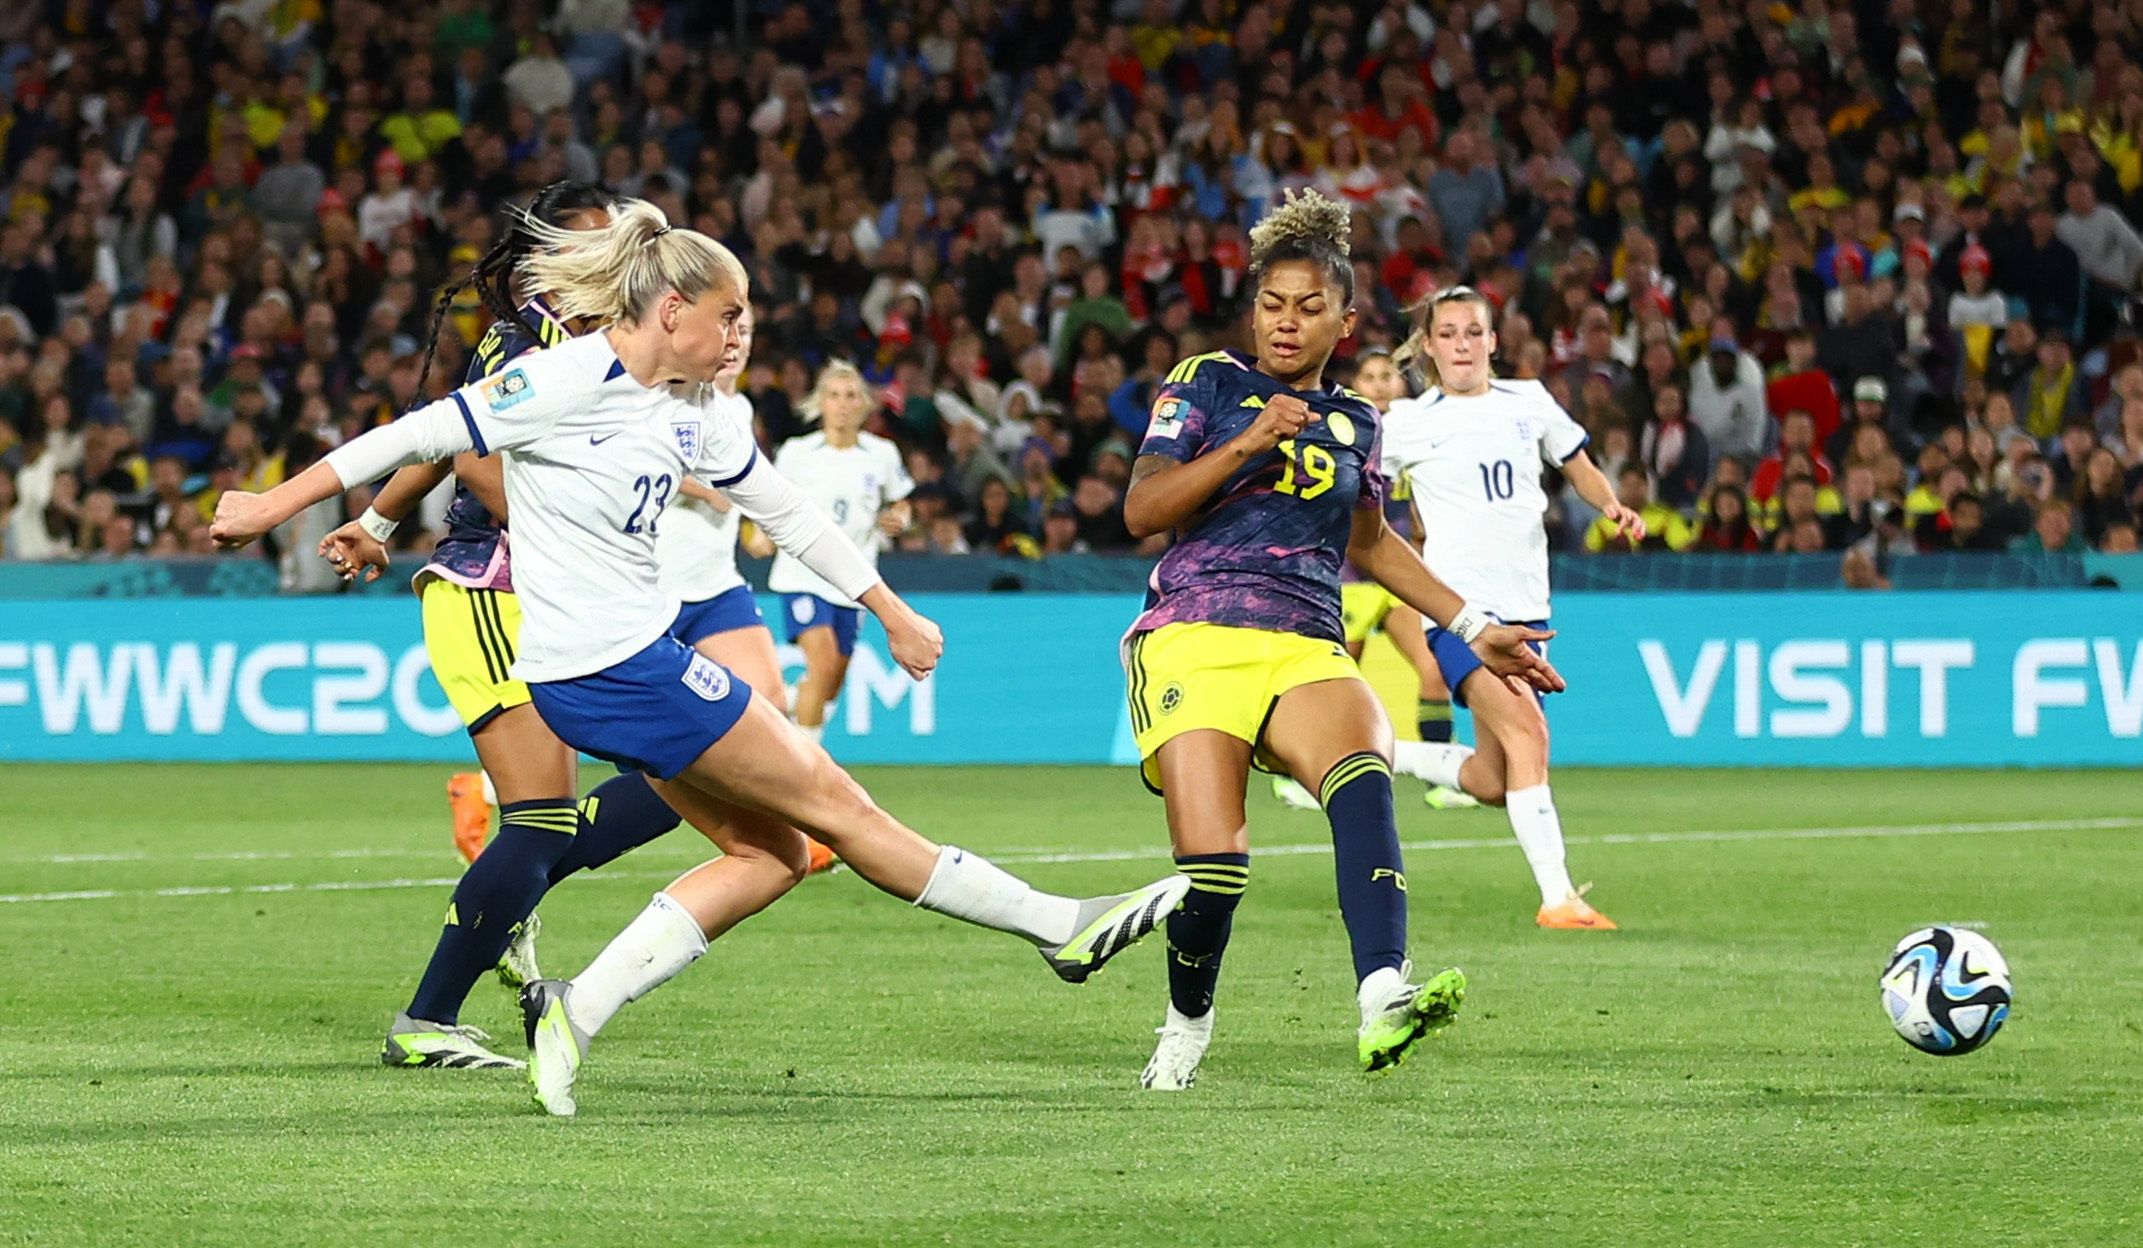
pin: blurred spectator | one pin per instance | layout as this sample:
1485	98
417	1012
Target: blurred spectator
1859	507
1800	385
1796	436
1099	506
1966	529
1727	527
1466	191
1664	528
1799	506
2125	392
26	284
2101	495
2107	248
1060	530
288	192
995	524
1675	450
2052	393
1726	400
1870	410
2053	531
2050	278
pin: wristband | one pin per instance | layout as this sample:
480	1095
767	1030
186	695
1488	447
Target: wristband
1468	623
379	526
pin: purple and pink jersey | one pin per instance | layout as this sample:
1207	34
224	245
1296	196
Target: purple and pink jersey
1267	549
474	552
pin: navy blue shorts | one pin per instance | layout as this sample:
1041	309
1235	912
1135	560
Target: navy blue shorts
1456	660
726	612
654	712
804	612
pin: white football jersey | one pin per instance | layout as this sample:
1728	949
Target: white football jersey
592	458
1473	465
697	545
852	485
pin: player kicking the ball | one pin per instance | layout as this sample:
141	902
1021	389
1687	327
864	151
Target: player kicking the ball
1271	479
472	631
596	433
1472	447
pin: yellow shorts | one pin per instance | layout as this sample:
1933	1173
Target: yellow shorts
471	636
1184	677
1362	607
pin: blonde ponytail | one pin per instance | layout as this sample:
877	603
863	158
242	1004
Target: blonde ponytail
1413	357
616	274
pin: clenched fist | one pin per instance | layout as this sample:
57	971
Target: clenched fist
1284	416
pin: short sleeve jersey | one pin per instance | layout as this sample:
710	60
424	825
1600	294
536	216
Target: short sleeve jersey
851	484
472	553
1266	550
1474	464
592	458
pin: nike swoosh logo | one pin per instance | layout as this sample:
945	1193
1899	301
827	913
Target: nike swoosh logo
595	441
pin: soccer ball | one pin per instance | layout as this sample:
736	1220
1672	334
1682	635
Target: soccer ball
1946	990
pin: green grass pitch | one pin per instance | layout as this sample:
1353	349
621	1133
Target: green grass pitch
188	1053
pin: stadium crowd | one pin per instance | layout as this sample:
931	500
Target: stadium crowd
1816	277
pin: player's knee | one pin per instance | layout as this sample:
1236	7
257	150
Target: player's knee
1482	782
774	852
1525	743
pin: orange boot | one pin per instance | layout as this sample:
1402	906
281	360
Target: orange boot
472	814
822	858
1574	913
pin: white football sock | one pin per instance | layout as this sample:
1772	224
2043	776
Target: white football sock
968	887
1201	1025
491	793
653	948
1430	761
1540	834
817	732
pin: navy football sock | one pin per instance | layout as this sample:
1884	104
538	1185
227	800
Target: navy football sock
1365	853
1434	721
498	891
1198	930
619	816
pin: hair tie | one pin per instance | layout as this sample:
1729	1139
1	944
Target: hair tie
659	233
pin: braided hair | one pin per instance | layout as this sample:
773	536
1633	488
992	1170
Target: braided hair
492	276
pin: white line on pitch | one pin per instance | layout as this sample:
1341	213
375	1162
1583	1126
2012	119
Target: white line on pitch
1075	855
1875	832
239	855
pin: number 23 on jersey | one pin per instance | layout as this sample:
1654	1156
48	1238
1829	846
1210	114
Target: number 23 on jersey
654	495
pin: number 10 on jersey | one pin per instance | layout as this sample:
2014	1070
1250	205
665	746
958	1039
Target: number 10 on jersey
1498	480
